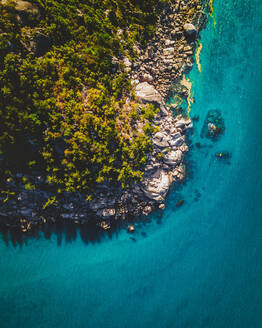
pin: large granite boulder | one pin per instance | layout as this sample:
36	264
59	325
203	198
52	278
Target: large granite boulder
190	30
156	187
160	140
147	93
26	6
26	10
173	157
127	65
169	51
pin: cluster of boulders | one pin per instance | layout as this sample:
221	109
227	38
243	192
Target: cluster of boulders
169	54
164	166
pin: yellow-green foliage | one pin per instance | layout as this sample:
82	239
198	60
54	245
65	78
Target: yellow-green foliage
64	112
51	201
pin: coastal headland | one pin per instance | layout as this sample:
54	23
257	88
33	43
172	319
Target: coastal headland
156	72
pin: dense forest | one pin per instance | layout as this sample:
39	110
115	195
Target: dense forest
66	104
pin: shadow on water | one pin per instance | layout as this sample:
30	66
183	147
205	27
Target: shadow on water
68	231
64	231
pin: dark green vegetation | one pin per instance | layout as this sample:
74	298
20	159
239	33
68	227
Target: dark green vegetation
63	108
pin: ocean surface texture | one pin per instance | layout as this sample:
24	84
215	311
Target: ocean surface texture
198	265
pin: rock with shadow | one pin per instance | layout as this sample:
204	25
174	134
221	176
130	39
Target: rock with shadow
214	125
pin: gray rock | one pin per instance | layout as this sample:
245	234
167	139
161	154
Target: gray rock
168	51
98	204
147	78
180	124
173	157
127	64
176	143
169	43
190	30
146	92
108	212
176	136
157	187
25	9
160	140
66	216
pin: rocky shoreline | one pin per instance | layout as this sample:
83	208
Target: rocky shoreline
165	58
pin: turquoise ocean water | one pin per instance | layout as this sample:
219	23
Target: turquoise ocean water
200	265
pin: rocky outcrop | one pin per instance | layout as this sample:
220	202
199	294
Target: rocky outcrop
168	55
148	93
190	29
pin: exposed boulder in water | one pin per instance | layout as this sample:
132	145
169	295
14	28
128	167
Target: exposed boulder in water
131	228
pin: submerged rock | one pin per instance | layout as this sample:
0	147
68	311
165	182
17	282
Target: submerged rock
214	125
180	202
223	155
131	228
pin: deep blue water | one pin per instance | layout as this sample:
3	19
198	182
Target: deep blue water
201	264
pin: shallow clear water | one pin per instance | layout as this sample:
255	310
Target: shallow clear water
201	264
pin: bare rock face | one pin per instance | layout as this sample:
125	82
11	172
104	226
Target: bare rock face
127	64
169	51
147	93
147	78
26	6
173	157
157	187
190	30
24	9
108	212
